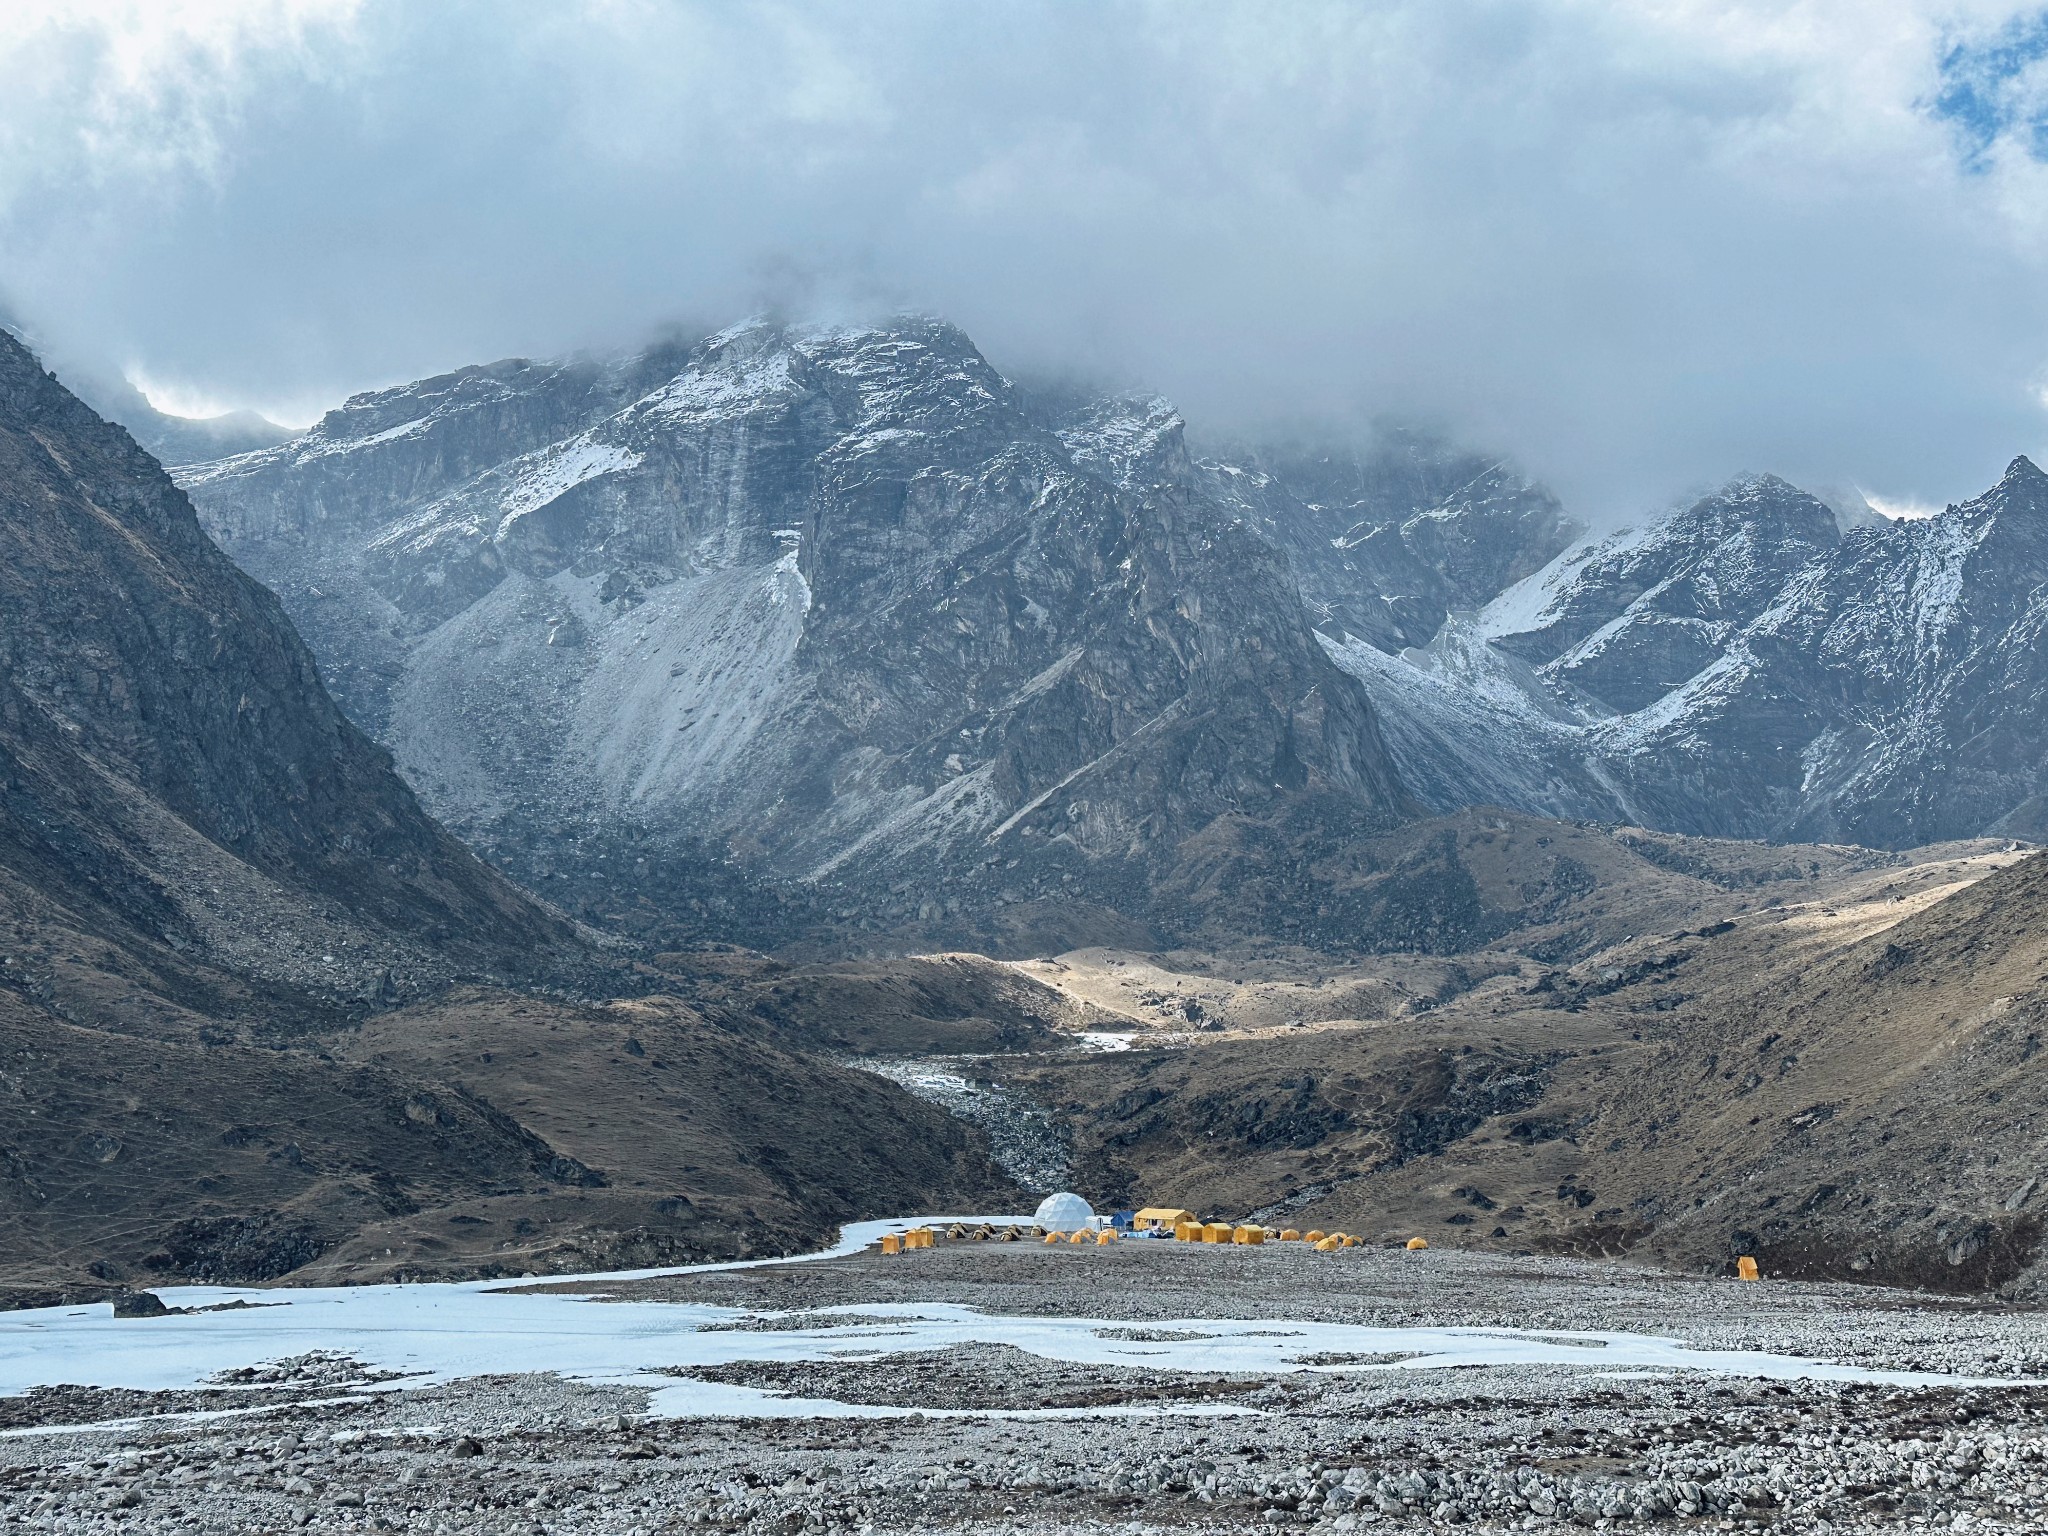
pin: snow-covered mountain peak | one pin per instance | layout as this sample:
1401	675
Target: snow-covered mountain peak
2024	473
838	594
1129	440
843	602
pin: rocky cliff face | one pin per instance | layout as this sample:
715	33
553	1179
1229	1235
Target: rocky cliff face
1386	545
839	603
171	769
214	890
1742	668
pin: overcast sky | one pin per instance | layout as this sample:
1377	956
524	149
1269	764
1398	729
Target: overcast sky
1639	246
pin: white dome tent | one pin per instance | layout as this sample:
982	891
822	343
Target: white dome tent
1064	1212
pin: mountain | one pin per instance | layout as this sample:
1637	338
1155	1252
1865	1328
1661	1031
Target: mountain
805	633
839	606
1742	668
173	766
1875	1113
175	440
1387	544
215	890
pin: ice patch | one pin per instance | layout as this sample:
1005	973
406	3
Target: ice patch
1103	1040
442	1333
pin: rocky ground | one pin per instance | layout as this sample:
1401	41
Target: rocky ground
993	1438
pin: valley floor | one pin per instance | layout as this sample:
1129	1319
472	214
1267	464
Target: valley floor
1009	1387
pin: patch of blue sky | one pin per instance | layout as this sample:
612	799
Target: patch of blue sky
1995	89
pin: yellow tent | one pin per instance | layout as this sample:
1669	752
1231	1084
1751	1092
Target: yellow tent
891	1243
1745	1268
1290	1236
1105	1237
1161	1216
1055	1237
1415	1244
1313	1235
1187	1232
1217	1232
1250	1236
1079	1237
1326	1245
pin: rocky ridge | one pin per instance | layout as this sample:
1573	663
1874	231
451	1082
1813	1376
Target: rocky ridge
174	773
838	603
1744	668
808	629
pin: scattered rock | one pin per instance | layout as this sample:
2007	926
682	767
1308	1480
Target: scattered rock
140	1304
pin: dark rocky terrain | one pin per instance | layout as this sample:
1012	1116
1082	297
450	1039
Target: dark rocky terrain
210	880
175	772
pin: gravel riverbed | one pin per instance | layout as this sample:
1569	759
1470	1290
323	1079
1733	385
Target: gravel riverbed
993	1437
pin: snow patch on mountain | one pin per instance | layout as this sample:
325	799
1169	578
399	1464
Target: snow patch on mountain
1536	600
1469	725
734	380
541	477
1944	553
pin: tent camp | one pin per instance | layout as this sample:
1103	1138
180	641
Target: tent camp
1167	1216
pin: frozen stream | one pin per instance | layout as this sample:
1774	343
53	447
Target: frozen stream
440	1333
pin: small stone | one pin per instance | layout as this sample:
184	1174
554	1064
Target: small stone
465	1445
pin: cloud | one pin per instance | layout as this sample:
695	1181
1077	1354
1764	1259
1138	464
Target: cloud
1640	247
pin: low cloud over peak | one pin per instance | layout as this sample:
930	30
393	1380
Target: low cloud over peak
1637	247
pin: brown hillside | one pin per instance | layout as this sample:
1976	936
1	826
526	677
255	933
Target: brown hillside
1844	1085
